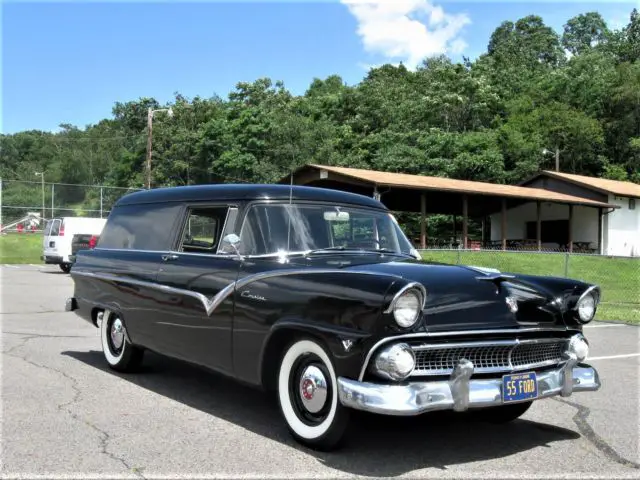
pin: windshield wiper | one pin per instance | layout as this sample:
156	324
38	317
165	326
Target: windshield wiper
388	250
325	249
360	250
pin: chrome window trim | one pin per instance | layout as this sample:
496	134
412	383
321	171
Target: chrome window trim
231	255
231	212
451	334
210	304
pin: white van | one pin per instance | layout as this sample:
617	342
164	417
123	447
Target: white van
59	232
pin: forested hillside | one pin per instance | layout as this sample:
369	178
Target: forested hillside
488	119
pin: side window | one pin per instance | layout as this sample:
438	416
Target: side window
47	228
140	227
203	230
364	229
55	228
342	233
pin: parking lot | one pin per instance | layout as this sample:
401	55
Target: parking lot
66	414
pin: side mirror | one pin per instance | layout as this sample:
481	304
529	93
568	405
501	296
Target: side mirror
231	240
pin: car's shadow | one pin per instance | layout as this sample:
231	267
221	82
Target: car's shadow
376	445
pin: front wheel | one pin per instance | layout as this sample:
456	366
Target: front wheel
65	267
308	396
120	354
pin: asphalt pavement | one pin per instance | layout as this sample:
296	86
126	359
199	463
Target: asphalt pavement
66	414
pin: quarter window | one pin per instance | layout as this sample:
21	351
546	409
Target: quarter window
140	227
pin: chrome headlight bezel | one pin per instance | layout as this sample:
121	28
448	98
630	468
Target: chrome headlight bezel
591	294
419	293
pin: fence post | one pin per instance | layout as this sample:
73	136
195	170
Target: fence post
458	255
566	264
100	201
52	195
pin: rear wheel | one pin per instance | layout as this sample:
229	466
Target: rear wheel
308	396
120	354
503	413
65	267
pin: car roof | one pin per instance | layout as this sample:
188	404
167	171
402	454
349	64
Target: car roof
246	192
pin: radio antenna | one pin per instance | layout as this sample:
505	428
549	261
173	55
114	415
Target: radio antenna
290	202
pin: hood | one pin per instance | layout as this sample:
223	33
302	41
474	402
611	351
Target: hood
464	298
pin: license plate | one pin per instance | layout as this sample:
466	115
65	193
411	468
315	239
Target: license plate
519	387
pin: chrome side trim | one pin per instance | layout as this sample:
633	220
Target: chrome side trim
409	286
210	304
458	393
451	334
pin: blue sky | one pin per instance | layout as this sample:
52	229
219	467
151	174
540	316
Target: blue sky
70	62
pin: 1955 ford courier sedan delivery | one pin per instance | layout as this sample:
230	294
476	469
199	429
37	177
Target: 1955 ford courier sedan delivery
318	295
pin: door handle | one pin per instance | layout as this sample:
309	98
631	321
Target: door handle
171	256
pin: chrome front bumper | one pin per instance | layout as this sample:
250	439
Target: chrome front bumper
459	392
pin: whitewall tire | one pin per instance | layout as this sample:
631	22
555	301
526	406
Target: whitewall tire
118	352
308	396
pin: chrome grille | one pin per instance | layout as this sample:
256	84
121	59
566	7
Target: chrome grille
488	357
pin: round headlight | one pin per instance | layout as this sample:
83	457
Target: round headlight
586	308
395	362
407	308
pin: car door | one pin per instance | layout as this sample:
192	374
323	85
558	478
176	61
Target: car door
197	321
51	238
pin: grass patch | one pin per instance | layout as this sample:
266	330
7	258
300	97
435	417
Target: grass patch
21	248
619	278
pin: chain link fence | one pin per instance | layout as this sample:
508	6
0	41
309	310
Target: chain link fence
19	198
618	277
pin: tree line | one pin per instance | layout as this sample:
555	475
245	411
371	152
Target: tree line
490	119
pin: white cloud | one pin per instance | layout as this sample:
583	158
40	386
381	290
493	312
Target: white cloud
390	28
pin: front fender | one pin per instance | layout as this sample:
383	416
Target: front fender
346	347
334	306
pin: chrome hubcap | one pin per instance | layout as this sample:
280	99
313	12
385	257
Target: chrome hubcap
117	333
313	389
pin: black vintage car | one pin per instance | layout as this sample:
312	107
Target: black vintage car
318	295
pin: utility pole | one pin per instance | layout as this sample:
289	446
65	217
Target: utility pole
557	155
41	174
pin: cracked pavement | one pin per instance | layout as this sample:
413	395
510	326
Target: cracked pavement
66	414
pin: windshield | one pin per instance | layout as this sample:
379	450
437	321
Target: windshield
275	228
